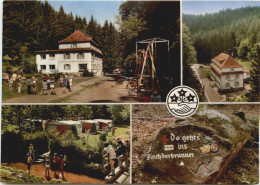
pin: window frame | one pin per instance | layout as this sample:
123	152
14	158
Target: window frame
65	67
66	55
41	66
43	58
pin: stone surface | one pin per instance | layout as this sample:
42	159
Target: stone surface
178	148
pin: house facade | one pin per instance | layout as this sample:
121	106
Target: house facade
227	72
76	53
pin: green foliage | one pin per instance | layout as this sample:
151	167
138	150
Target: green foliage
231	31
120	114
38	139
12	175
243	49
16	143
85	72
253	95
79	158
189	53
140	20
12	143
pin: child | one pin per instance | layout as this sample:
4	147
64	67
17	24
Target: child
49	83
70	82
60	81
64	85
47	166
34	84
10	82
112	157
44	87
62	164
52	82
29	83
55	164
14	81
19	81
29	163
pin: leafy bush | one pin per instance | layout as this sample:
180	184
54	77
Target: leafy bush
86	73
12	175
39	140
79	159
12	145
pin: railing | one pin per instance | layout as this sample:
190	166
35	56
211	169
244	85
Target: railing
119	170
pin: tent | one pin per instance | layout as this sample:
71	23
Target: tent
63	126
89	125
104	123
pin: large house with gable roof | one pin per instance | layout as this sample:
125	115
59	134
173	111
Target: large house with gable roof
227	72
76	52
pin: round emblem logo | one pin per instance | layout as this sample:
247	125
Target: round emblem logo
182	101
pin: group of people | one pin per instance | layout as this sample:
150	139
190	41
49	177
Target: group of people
66	82
155	97
123	149
15	83
58	163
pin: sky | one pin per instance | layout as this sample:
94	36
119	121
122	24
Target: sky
101	10
203	7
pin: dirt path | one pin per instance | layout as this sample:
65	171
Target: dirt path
108	91
38	170
98	89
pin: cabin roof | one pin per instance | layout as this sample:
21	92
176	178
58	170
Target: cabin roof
104	120
63	122
75	37
224	60
87	121
70	50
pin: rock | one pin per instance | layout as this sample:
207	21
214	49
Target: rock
199	149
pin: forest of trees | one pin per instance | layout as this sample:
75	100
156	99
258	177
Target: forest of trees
29	26
16	114
235	32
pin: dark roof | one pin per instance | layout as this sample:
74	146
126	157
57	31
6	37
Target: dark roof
223	60
77	36
71	50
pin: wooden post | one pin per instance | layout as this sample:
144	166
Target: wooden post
136	55
148	48
168	57
151	55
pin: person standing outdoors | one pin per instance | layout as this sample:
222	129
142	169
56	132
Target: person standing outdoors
112	157
29	163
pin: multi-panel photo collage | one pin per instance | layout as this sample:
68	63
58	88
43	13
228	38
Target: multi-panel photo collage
130	92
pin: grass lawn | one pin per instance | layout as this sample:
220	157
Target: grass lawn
7	93
246	64
206	70
122	131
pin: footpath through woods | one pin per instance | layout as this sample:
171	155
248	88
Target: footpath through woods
97	89
38	170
